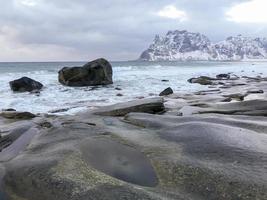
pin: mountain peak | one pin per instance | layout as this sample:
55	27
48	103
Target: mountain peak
185	45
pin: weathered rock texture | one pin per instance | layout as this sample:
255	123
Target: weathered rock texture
211	151
97	72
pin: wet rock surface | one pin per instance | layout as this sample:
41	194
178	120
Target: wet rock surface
120	161
205	145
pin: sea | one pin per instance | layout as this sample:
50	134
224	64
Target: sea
136	79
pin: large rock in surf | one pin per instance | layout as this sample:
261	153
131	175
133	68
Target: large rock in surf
97	72
25	84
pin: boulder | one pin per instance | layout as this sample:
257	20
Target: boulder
97	72
166	92
151	105
25	84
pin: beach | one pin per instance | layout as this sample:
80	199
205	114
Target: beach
205	139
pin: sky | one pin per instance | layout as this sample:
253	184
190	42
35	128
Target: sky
81	30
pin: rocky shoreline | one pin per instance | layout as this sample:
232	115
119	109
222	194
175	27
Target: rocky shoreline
209	144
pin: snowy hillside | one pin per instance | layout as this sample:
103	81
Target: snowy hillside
184	45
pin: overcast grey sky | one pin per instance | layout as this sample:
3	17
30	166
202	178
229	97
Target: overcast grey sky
49	30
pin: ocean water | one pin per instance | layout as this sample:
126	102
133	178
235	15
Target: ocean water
136	79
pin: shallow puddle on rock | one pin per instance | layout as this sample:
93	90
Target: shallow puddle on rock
119	161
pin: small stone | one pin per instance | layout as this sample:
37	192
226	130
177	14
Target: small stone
179	114
223	76
46	125
166	92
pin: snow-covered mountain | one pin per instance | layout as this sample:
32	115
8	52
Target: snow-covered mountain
184	45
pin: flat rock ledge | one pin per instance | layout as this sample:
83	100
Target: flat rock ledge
151	105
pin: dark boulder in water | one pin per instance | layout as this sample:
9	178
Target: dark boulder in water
25	84
166	92
97	72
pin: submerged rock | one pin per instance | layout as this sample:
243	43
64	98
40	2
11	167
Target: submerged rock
25	84
166	92
97	72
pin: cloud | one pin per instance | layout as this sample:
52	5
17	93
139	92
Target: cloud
27	2
11	46
253	11
41	30
171	12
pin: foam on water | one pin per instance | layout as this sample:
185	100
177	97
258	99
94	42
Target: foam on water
136	79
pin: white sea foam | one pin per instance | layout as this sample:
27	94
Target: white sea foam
135	79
